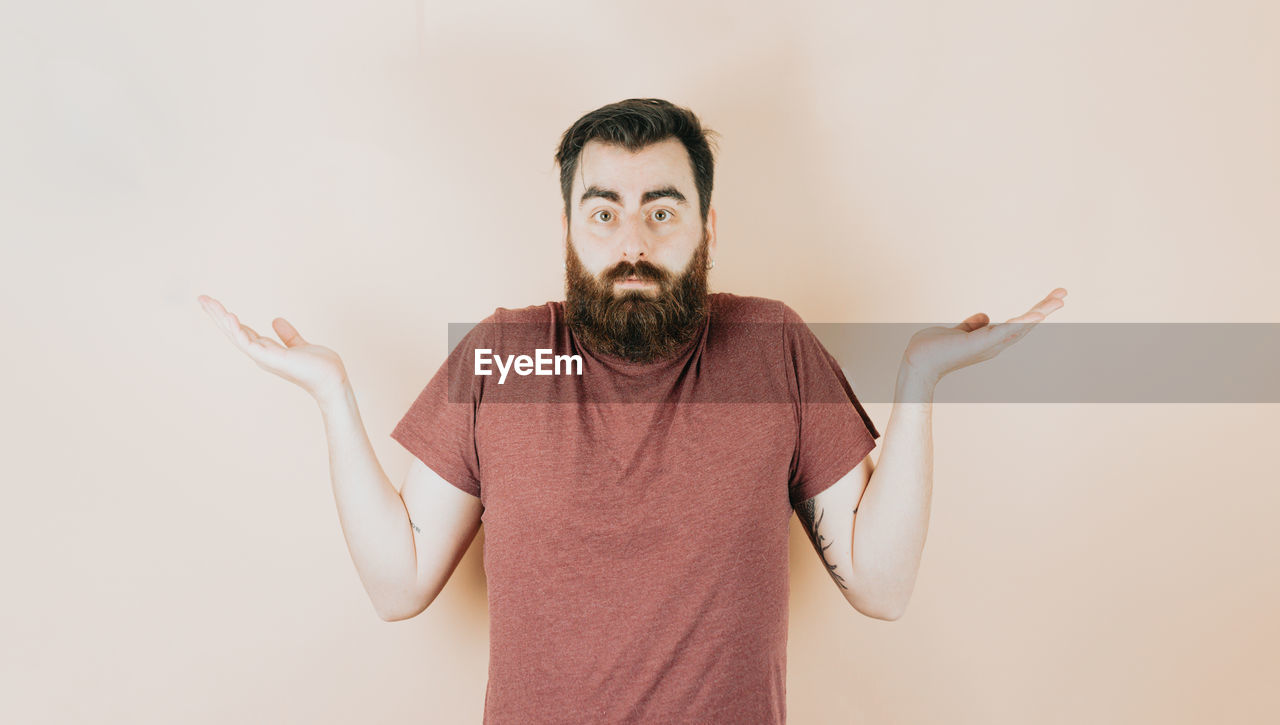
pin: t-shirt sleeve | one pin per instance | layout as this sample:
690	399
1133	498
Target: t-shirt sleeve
439	427
834	432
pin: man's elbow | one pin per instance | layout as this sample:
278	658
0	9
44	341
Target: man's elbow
887	611
889	615
399	614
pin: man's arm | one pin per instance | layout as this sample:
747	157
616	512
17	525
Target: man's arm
828	518
444	520
869	527
888	534
402	563
404	548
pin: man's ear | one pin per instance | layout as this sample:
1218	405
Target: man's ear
564	228
711	230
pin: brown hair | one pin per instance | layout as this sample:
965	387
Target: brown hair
634	124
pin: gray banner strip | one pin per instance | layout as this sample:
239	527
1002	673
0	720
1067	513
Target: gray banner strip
1211	362
1081	362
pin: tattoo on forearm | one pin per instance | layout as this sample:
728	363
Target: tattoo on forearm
415	526
806	513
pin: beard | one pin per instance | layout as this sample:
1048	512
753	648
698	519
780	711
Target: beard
635	324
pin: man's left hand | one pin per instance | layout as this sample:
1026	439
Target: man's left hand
935	351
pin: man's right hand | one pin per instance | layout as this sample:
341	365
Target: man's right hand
315	368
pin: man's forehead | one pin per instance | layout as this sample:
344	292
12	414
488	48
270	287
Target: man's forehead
664	164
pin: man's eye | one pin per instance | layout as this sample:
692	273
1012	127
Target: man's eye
606	213
665	215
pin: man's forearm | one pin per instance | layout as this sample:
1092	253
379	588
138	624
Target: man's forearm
373	517
892	518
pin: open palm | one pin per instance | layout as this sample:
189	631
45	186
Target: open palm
936	351
315	368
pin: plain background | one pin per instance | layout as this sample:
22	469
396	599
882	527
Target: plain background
374	171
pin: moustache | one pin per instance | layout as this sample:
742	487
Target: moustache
645	271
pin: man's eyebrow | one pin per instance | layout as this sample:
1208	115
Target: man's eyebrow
668	192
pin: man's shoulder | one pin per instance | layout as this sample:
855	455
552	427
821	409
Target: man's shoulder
544	312
729	307
516	329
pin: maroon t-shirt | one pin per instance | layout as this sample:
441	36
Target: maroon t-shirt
636	516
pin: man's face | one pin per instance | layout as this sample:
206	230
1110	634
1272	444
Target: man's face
635	207
636	249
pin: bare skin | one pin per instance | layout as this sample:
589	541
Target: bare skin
869	528
315	368
936	351
404	544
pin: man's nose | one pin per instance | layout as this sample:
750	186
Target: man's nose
635	242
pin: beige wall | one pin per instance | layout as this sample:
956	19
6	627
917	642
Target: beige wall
374	171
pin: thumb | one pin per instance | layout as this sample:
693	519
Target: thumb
287	332
973	322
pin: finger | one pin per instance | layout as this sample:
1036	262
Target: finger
226	321
261	349
1042	308
973	322
287	332
253	337
1010	331
244	336
269	344
220	315
210	304
238	330
1032	316
1052	301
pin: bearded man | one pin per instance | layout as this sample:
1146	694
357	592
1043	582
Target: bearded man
636	515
